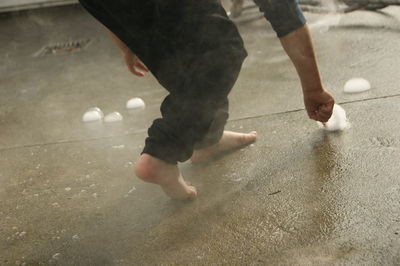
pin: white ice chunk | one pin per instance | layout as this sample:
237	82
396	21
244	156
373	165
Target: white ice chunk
92	114
135	103
113	117
338	120
356	85
56	256
97	109
118	147
131	190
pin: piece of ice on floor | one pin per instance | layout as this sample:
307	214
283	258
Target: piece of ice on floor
97	109
135	103
355	85
113	117
338	120
122	146
92	114
128	164
131	190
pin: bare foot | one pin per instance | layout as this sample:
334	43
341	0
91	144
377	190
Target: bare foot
229	141
156	171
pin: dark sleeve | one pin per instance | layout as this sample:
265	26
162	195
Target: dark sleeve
285	16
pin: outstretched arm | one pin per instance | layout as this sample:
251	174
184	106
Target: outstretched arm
298	45
132	61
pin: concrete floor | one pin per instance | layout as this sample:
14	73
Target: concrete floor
298	196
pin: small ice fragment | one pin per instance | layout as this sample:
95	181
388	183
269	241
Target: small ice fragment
118	146
128	164
338	120
356	85
92	185
135	103
56	256
55	204
92	114
75	237
113	117
131	190
22	234
67	189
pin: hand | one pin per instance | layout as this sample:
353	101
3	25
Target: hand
319	105
134	64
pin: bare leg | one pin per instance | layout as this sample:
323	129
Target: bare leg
156	171
230	140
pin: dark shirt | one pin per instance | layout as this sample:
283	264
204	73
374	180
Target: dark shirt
285	16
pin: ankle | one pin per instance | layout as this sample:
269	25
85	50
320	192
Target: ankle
153	170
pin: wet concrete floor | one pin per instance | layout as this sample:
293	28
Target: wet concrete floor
298	196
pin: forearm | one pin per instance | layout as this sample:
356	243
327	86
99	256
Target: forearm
298	45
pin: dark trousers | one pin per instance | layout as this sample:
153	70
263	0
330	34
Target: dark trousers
194	51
